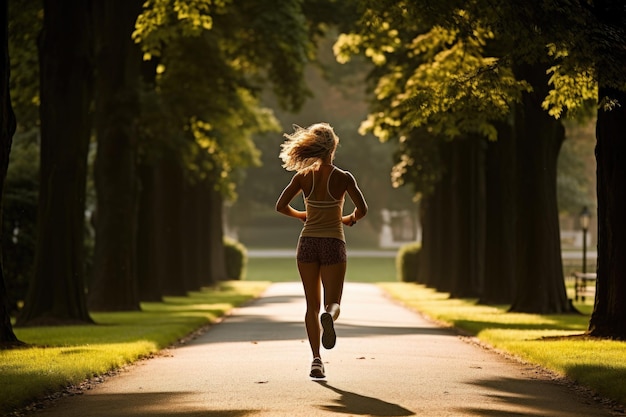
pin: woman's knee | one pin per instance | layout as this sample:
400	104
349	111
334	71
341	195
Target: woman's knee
313	310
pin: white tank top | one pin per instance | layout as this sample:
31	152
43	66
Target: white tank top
323	217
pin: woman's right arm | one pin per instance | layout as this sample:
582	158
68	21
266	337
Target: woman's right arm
293	189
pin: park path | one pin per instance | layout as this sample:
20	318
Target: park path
388	361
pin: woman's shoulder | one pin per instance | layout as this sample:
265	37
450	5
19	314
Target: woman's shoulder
340	171
304	179
299	176
343	177
347	175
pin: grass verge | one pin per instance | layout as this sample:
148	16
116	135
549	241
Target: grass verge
58	357
551	341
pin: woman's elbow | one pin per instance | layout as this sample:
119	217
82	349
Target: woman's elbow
281	208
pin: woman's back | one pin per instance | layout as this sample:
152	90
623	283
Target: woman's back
326	182
324	198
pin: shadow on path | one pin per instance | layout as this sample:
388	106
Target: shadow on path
153	404
352	403
512	397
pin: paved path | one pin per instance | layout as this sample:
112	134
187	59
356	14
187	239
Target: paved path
388	361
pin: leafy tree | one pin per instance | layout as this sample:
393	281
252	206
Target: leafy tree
538	267
21	187
212	59
117	61
57	291
26	18
585	41
435	77
7	337
464	67
206	65
609	316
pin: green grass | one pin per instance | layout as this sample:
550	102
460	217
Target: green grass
62	356
551	341
360	269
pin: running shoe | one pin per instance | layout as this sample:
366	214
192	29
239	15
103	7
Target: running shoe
329	337
317	369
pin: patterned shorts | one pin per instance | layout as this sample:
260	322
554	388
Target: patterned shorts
322	250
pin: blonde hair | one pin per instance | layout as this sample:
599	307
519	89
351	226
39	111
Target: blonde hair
306	147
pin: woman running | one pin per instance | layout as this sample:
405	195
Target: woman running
321	252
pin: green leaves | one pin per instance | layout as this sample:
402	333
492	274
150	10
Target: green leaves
436	79
446	68
215	58
165	20
571	92
26	17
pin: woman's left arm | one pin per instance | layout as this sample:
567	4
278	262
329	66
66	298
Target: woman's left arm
360	209
293	189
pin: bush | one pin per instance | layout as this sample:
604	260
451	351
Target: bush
236	258
406	262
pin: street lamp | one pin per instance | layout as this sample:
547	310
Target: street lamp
585	219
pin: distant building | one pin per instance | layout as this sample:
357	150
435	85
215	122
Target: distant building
399	227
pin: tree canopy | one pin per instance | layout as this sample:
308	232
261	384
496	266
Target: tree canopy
452	69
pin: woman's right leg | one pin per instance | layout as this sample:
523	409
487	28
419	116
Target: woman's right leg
332	277
310	275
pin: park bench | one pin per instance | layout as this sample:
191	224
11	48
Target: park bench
584	284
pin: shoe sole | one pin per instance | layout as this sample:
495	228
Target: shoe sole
316	375
329	337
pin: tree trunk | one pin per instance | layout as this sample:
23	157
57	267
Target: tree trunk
118	58
427	267
444	270
149	232
434	253
204	229
540	287
500	212
217	258
609	313
467	252
148	236
170	181
191	232
7	336
426	218
57	291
